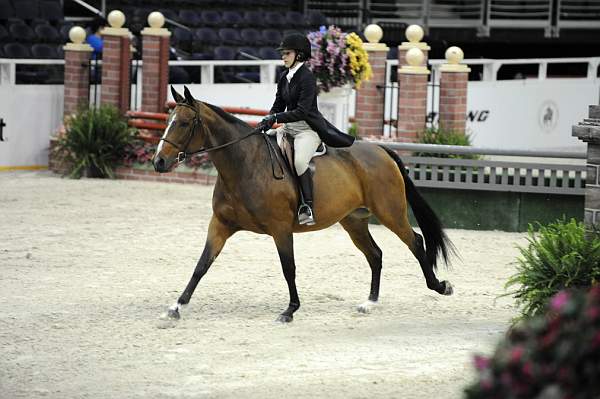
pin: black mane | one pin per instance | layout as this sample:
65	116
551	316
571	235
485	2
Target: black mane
228	117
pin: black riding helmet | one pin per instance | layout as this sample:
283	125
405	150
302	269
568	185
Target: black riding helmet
297	42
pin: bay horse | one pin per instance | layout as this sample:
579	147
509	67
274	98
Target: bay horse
350	184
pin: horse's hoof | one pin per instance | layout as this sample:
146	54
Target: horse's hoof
284	318
173	314
366	307
448	290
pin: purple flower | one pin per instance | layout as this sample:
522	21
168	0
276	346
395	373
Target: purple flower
559	300
481	362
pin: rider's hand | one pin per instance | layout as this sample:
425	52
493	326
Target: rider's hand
267	122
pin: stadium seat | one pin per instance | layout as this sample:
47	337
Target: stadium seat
206	37
275	19
47	33
230	36
7	10
45	51
268	53
295	19
211	18
27	10
52	11
16	50
189	18
21	32
182	38
255	19
224	53
251	37
232	19
271	37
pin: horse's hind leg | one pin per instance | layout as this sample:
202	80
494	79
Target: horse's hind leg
358	229
396	220
218	233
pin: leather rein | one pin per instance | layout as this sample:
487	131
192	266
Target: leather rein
183	153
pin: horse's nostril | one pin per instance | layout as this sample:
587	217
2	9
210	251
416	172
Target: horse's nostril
159	165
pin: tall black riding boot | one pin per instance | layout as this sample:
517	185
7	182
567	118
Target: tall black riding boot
305	211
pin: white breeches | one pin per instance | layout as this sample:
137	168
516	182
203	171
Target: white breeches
306	142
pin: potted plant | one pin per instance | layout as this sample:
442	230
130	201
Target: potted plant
340	63
94	142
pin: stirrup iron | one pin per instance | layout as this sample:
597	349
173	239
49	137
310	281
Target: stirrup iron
305	215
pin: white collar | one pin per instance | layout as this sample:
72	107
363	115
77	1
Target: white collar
292	71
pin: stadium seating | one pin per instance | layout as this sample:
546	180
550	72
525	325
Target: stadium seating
217	29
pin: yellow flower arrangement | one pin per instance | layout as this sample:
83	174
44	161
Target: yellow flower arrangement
359	59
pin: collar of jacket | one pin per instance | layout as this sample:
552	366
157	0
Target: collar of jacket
292	72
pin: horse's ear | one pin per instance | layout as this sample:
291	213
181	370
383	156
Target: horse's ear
176	96
188	96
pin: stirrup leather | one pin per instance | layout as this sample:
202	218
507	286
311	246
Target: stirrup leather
305	215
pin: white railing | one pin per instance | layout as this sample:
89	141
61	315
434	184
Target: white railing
8	68
491	66
268	67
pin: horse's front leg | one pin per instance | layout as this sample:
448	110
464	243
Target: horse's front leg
285	248
218	233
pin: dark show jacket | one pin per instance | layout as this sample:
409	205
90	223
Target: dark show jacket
299	97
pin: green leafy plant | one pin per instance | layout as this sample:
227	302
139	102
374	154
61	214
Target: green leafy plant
353	130
558	256
554	355
94	142
444	137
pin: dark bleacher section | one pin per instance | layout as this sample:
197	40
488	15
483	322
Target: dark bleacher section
32	29
202	29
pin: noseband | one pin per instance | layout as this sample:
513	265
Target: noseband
184	153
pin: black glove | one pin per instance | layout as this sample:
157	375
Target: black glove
267	122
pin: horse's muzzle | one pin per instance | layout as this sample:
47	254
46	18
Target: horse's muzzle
160	165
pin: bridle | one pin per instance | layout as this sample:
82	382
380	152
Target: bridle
184	153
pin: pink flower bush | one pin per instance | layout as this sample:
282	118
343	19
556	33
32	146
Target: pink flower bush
558	353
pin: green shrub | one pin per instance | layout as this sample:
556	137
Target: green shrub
444	137
353	130
558	256
555	355
94	142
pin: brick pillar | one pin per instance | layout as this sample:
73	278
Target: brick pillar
453	92
116	63
412	96
589	131
156	64
370	100
412	85
77	71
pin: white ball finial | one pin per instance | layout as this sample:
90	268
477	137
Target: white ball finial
156	20
414	33
116	19
415	57
454	55
77	34
373	33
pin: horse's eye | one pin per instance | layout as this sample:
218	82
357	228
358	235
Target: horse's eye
184	124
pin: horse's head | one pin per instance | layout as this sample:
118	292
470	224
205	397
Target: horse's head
183	135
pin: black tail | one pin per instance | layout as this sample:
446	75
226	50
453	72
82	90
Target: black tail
436	241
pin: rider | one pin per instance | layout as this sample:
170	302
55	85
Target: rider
296	107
